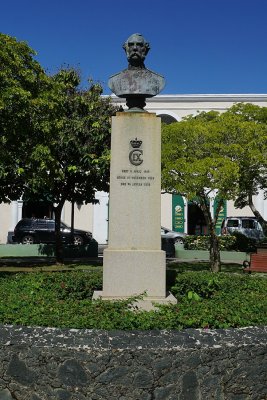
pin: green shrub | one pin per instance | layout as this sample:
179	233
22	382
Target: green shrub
208	284
227	242
82	287
63	299
235	242
221	300
243	243
205	284
68	284
193	242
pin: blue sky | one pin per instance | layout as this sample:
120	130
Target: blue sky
199	46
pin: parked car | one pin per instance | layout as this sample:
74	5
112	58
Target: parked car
177	236
248	226
35	230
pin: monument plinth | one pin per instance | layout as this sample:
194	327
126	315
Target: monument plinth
134	262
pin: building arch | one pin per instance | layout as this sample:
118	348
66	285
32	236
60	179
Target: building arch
168	117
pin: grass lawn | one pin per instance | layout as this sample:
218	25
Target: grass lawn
49	295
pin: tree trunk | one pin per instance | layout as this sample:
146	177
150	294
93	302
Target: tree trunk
59	246
215	258
257	214
72	222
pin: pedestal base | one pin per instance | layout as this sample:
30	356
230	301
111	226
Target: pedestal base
133	272
146	304
130	273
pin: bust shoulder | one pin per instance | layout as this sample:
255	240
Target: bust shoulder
136	82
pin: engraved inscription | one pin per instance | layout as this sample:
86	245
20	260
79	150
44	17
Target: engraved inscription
135	178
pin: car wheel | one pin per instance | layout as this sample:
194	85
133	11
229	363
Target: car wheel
28	239
77	240
179	240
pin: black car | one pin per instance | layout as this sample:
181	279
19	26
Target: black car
35	230
178	237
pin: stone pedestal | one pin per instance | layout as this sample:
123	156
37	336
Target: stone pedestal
134	262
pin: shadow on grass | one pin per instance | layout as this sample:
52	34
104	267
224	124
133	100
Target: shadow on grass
203	266
48	268
71	250
172	270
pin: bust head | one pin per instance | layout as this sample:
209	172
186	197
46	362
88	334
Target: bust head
136	83
136	48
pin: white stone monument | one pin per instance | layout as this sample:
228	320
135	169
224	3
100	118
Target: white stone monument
134	263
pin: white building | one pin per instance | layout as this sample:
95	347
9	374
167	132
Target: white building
95	218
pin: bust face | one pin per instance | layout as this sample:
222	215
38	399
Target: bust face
136	49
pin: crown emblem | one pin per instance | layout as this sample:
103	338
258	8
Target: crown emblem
136	143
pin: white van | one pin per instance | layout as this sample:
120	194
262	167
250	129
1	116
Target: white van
248	226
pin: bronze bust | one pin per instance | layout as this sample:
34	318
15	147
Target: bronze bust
136	83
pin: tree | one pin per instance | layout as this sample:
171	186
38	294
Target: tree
69	154
21	81
54	136
253	157
198	162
